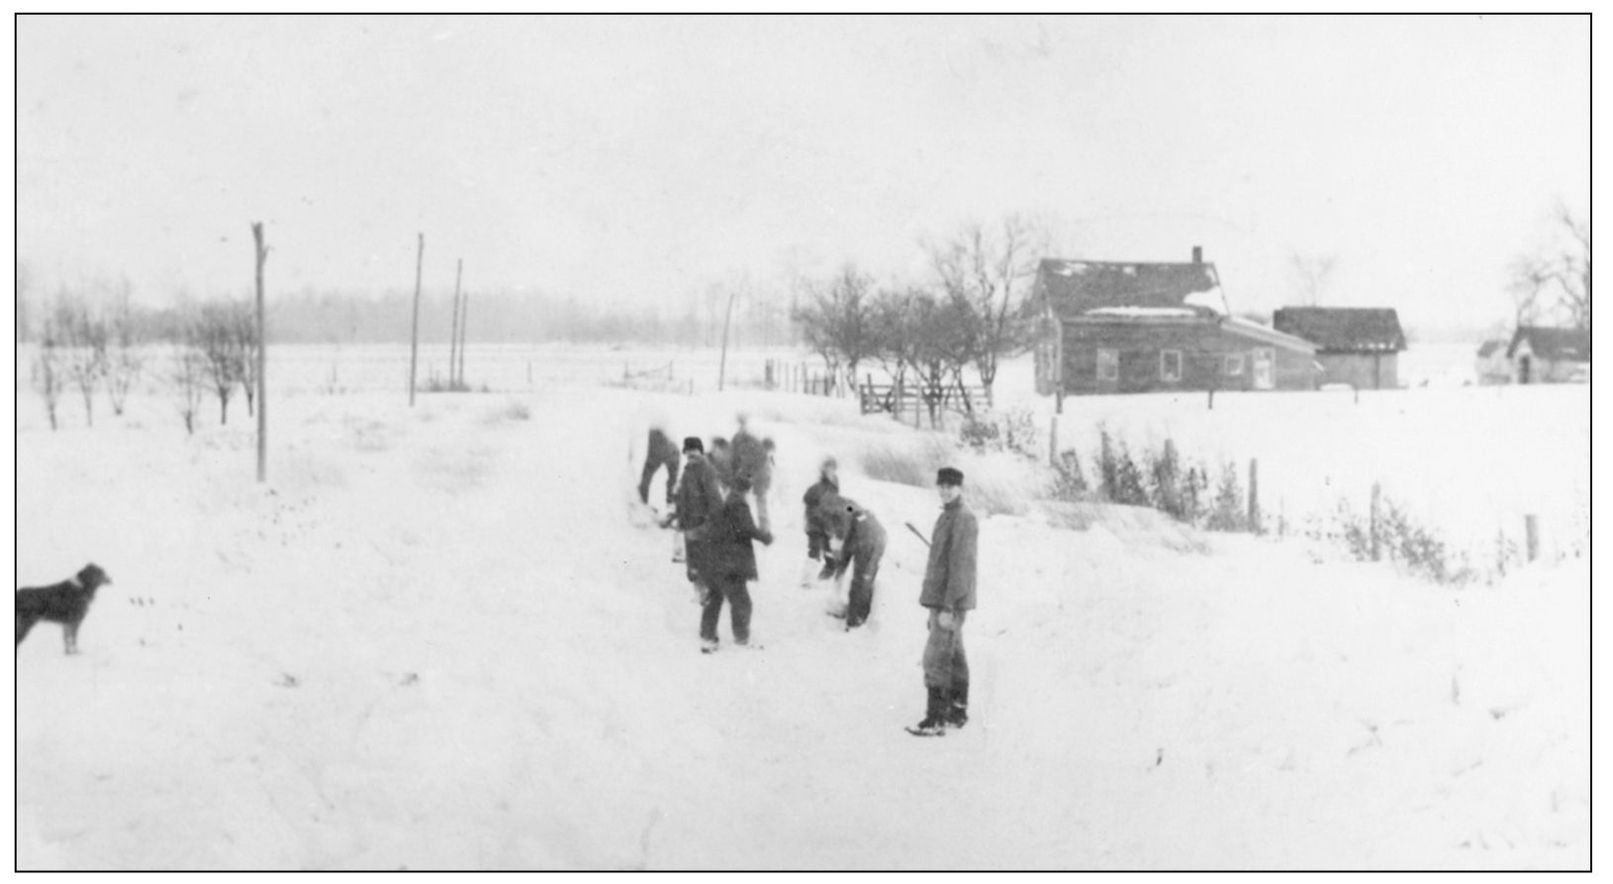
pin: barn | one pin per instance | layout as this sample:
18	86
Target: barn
1359	346
1541	355
1129	327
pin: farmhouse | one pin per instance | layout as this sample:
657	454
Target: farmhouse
1121	327
1491	366
1358	346
1550	355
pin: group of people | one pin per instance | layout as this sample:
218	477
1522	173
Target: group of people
709	505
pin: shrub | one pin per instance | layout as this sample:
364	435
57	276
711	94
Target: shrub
1068	481
1012	430
1122	481
981	434
1227	512
1414	547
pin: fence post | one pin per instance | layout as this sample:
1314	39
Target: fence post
1372	519
1254	494
1053	442
1212	399
1531	533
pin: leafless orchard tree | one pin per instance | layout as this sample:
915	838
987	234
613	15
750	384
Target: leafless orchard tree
49	374
189	377
989	273
244	341
126	360
1557	278
927	338
836	320
83	335
1312	273
217	339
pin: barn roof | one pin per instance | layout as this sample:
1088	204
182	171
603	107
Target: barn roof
1571	344
1267	335
1344	329
1071	288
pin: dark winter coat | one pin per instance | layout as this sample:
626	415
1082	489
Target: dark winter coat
861	536
729	535
699	500
751	459
817	531
949	578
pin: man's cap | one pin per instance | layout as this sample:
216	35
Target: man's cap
693	443
948	476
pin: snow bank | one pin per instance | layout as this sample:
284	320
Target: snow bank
436	639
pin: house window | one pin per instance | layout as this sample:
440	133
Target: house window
1108	365
1234	364
1170	365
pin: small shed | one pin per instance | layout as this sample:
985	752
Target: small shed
1359	346
1135	327
1542	355
1490	364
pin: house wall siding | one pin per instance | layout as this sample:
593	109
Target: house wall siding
1364	371
1204	348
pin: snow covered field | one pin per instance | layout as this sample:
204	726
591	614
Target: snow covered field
437	638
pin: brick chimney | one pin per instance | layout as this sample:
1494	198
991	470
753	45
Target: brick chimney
1198	254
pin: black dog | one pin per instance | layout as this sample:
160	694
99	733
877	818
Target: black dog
65	603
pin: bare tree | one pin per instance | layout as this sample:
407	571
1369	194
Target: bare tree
1556	280
837	320
24	289
189	377
924	340
1312	273
243	330
124	362
216	339
49	373
989	274
84	336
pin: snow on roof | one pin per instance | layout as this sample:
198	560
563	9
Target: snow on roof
1143	312
1211	299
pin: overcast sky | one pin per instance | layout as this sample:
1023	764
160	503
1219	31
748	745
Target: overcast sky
630	159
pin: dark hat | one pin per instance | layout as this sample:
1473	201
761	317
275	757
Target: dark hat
948	476
693	443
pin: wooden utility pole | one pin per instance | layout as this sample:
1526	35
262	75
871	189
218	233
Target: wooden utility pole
722	365
414	344
453	335
262	255
1254	494
464	320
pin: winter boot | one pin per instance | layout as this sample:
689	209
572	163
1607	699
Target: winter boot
934	723
708	646
828	567
958	714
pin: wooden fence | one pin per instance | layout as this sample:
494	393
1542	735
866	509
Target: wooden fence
900	399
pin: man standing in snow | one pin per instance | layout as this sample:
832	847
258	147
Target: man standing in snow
698	501
661	453
731	565
949	593
816	531
754	458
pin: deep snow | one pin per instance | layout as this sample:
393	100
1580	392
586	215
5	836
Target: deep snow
438	638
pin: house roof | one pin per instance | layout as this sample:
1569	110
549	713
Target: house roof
1570	344
1343	329
1267	335
1071	288
1156	318
1488	348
